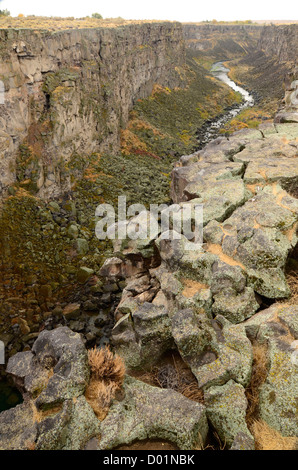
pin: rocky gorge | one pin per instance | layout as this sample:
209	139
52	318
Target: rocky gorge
208	337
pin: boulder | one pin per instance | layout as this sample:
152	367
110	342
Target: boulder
18	430
265	234
235	307
226	411
148	412
84	274
215	350
142	338
55	414
277	328
56	370
70	428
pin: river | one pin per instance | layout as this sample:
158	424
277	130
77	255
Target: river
211	129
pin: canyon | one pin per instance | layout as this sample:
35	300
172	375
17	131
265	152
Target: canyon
64	85
89	115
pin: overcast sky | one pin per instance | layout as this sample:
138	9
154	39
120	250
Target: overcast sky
185	10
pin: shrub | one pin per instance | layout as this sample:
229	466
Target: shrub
98	16
4	13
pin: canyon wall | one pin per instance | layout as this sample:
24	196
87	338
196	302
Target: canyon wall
280	41
70	92
221	39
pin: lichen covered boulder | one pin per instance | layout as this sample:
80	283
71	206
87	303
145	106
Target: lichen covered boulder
148	412
215	350
141	338
226	410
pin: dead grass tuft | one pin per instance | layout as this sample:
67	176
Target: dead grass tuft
99	395
106	366
175	375
292	279
192	391
259	374
107	375
40	415
267	438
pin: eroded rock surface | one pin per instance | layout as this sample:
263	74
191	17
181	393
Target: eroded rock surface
149	412
52	377
277	327
65	93
210	298
226	410
204	303
57	416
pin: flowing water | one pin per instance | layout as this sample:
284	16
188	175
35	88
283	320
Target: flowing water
211	129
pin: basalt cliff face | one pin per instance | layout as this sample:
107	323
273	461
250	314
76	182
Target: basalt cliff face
281	41
70	92
221	39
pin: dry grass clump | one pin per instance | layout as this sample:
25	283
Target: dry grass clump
259	374
193	392
106	365
292	280
175	375
107	375
267	438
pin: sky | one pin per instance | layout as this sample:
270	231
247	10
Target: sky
186	10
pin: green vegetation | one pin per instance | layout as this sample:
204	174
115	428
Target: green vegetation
59	24
248	118
165	124
98	16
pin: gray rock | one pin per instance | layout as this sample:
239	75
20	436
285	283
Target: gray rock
278	395
70	428
235	307
18	431
144	337
149	412
216	351
82	246
288	315
71	370
243	441
19	365
226	411
73	231
72	311
56	370
84	274
272	215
